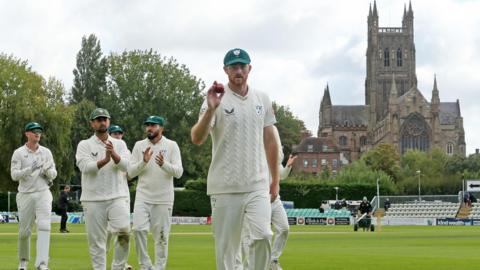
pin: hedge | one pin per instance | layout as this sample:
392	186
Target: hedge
193	201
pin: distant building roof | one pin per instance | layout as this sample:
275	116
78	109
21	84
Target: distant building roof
356	115
449	112
314	144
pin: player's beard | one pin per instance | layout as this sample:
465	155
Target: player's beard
152	135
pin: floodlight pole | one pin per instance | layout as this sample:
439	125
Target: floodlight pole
336	193
8	207
378	193
419	185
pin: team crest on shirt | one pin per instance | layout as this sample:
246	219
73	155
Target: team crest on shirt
259	109
230	112
163	152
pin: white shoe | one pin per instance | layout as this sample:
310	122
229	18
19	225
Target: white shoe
275	265
23	264
42	266
128	267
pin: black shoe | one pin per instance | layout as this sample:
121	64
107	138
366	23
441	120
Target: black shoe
64	231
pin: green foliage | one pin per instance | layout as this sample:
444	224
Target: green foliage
25	96
191	203
383	157
289	127
143	83
90	73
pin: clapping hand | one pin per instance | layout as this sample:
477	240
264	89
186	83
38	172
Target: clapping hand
159	159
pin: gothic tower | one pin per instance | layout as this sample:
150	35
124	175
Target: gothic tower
390	50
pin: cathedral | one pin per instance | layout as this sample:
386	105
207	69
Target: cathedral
395	110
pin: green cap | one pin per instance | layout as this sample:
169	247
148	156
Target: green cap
155	120
114	128
99	112
235	56
33	126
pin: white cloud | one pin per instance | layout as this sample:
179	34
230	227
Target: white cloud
296	46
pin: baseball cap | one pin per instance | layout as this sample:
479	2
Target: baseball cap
153	119
114	128
99	112
235	56
34	127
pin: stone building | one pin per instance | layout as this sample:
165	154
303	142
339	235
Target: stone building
395	110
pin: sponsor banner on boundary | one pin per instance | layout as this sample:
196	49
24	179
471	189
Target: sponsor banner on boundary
189	220
342	221
399	221
292	220
457	222
330	221
315	221
300	220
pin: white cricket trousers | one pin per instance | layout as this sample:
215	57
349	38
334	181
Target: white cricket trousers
114	215
229	213
118	249
280	230
34	207
157	219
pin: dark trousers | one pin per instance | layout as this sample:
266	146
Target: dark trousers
63	221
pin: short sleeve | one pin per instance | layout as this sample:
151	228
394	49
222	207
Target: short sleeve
269	113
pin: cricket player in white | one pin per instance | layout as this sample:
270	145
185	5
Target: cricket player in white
117	132
33	167
279	219
103	161
155	193
240	122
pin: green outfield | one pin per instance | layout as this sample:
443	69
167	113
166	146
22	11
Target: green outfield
308	247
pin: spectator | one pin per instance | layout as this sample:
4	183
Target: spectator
386	204
63	208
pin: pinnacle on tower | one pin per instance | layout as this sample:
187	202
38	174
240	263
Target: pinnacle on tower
393	90
375	13
326	97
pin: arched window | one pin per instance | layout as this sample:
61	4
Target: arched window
450	149
342	140
386	58
399	58
415	134
363	141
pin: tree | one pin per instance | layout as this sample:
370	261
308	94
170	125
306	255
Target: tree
25	96
383	157
143	83
90	72
290	128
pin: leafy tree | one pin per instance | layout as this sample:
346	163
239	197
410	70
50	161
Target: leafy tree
143	83
25	96
90	72
290	128
383	157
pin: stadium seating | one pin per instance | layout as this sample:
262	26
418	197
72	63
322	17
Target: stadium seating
424	209
313	212
475	213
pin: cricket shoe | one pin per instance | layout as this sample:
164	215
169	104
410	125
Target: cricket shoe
42	266
23	264
275	265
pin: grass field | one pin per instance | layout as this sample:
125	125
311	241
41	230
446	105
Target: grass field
308	247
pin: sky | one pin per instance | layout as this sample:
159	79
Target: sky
296	47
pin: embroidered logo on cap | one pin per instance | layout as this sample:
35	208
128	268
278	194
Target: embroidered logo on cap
236	52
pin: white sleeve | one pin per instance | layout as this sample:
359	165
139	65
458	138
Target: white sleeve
16	170
284	171
124	154
269	118
136	164
51	171
174	167
85	162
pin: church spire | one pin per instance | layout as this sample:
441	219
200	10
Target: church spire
326	101
410	10
435	92
375	13
370	10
